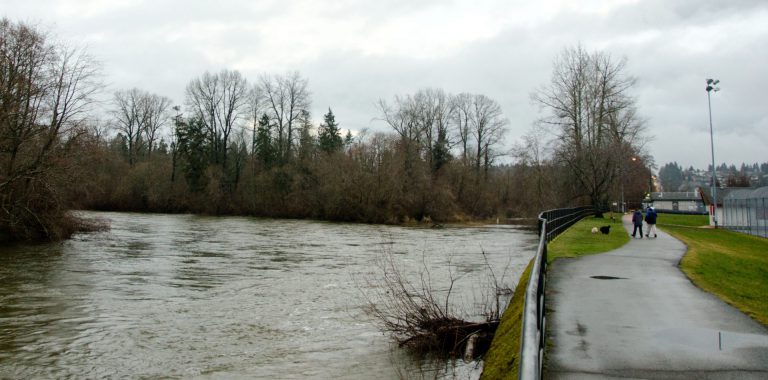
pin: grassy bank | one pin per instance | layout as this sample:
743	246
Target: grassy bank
501	361
730	265
580	241
683	220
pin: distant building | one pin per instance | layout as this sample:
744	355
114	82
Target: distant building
706	195
682	202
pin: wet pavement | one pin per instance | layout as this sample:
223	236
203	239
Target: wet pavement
631	313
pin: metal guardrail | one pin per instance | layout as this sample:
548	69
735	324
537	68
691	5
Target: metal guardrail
532	338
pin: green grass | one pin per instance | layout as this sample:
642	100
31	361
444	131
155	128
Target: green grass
730	265
682	220
580	241
502	359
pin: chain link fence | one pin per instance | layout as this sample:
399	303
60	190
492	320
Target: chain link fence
746	211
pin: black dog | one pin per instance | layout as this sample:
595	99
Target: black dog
605	229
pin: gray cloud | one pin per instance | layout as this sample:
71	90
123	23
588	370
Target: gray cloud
355	52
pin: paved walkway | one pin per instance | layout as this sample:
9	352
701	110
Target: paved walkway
631	313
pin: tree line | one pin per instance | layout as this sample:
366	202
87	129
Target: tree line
673	177
237	148
251	147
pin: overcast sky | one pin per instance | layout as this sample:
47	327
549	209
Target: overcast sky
354	52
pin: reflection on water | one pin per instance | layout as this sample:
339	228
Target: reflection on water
185	296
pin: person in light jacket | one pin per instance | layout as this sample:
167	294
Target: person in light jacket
637	220
650	218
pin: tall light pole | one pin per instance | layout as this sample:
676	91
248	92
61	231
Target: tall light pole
622	189
712	86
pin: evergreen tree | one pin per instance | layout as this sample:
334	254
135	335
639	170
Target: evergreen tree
440	152
265	149
239	155
329	135
306	140
194	152
348	139
671	176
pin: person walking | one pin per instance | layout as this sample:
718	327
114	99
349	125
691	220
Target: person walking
637	220
650	218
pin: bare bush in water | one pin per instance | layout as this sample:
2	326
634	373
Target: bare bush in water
422	318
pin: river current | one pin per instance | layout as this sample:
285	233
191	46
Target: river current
183	296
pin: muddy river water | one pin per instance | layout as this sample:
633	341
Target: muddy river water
182	296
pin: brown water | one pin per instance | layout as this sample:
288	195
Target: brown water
181	296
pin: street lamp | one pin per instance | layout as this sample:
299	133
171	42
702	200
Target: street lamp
623	203
712	86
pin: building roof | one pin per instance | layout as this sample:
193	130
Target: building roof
747	193
676	196
734	193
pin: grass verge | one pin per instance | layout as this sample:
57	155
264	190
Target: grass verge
580	241
502	359
730	265
683	220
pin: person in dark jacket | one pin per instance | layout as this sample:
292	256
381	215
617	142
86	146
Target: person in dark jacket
650	218
637	220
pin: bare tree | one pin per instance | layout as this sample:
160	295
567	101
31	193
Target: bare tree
593	118
298	103
285	98
156	113
202	99
423	121
401	117
129	118
233	106
220	101
488	126
432	110
45	92
275	103
412	118
531	154
138	116
26	59
460	119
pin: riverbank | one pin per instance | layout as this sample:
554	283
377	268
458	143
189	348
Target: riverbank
458	221
501	360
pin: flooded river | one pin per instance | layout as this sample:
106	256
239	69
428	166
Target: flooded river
182	296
